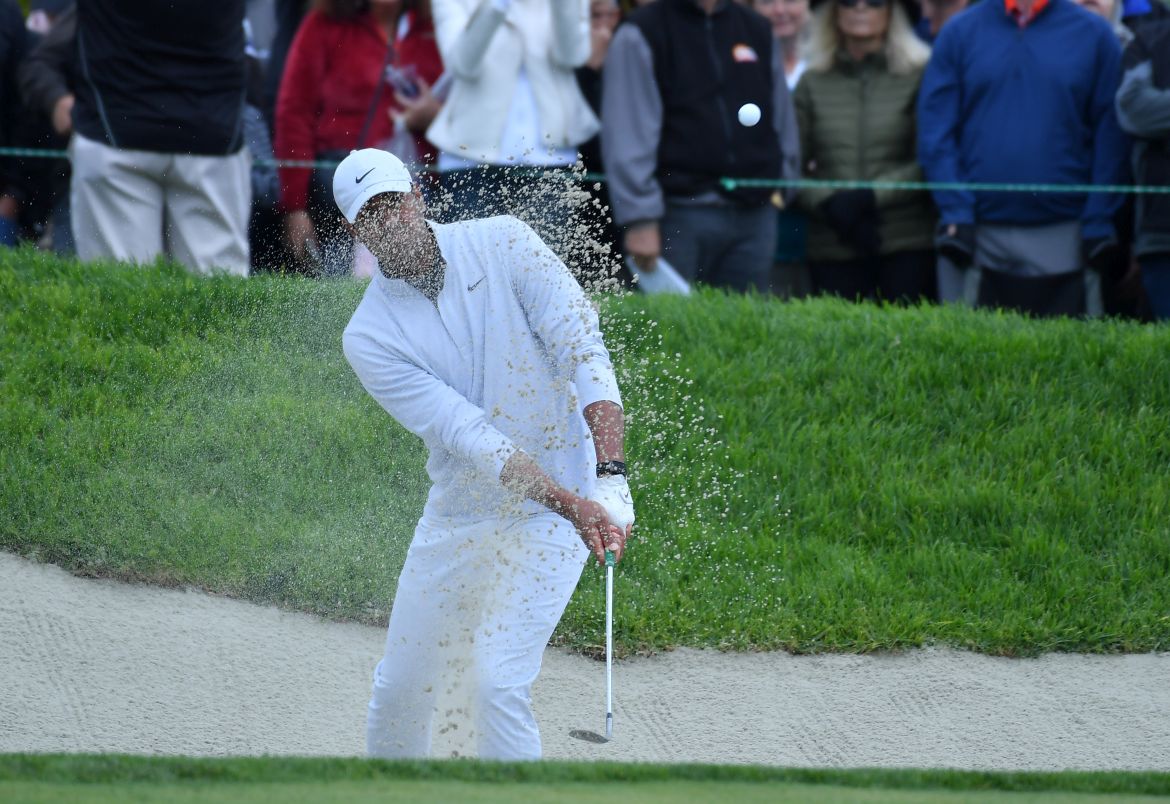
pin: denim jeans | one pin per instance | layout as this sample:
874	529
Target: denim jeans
724	246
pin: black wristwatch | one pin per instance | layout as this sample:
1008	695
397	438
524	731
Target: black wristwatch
611	468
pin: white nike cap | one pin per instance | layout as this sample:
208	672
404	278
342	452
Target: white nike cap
364	174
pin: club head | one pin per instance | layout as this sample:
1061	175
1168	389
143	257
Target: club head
588	736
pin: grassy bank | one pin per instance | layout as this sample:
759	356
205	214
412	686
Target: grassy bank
810	476
121	778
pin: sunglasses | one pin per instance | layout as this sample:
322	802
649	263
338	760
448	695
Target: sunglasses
855	3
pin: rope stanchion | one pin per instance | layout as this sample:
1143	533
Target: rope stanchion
730	183
944	186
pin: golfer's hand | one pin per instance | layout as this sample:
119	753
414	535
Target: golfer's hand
612	492
593	526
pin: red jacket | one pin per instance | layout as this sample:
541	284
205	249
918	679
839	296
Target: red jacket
329	81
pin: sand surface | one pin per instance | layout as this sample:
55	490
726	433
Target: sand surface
90	665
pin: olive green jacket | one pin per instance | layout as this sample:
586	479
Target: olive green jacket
857	122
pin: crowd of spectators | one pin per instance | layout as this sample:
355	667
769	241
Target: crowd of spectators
174	116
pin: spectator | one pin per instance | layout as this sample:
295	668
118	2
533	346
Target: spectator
287	16
13	44
938	13
1143	107
264	239
47	78
514	103
597	220
855	112
159	163
1021	91
790	32
789	19
333	99
604	16
1121	293
676	75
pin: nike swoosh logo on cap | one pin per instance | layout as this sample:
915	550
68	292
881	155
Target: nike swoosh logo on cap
358	180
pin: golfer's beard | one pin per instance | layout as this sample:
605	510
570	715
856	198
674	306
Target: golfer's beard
401	255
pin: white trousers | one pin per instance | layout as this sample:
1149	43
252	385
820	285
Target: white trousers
475	607
134	206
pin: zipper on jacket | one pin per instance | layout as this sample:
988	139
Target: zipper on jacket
97	95
720	101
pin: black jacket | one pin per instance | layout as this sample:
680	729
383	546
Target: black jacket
161	76
13	45
49	72
706	68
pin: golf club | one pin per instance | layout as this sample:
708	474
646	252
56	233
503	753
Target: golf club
608	644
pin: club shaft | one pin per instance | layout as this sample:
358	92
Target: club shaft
609	650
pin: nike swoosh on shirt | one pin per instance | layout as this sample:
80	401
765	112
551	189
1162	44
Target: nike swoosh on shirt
477	284
358	180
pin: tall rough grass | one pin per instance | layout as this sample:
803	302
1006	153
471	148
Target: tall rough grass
813	476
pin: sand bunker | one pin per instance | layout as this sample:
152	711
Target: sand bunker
98	666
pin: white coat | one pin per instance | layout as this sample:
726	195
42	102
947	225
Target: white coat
484	49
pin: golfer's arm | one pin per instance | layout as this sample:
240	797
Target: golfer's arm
607	423
522	475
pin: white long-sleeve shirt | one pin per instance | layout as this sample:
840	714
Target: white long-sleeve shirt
506	358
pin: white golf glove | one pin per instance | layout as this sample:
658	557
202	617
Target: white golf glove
612	492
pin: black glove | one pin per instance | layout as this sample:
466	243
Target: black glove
956	242
1102	254
853	215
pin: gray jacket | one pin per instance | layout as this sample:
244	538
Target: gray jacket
631	113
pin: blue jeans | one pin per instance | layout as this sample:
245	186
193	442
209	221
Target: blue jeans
724	246
1156	278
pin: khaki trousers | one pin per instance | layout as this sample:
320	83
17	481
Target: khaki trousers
134	206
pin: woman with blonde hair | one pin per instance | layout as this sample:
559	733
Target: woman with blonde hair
855	109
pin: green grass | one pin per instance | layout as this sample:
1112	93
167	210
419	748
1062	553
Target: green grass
813	476
54	778
345	792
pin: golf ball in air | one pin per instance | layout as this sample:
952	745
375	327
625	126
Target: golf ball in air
749	114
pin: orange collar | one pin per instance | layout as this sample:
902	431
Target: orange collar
1014	11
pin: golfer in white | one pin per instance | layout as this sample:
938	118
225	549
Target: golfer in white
476	338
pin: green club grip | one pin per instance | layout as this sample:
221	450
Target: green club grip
609	558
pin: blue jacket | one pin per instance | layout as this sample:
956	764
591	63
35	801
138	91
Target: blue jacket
1034	105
